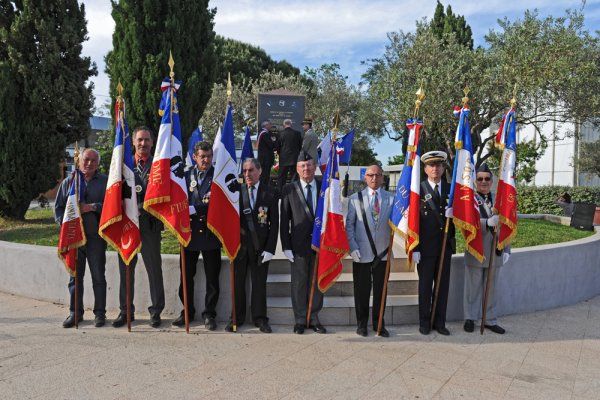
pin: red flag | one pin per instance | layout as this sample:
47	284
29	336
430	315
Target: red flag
119	223
72	235
166	194
223	217
462	190
506	196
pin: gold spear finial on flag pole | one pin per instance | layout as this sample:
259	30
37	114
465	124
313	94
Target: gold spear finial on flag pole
229	87
513	101
171	65
420	97
465	99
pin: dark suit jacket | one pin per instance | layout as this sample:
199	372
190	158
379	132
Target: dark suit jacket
290	144
431	227
199	197
266	146
296	224
267	226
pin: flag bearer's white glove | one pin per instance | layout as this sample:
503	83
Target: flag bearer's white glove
449	212
192	210
289	255
492	221
266	256
416	257
355	256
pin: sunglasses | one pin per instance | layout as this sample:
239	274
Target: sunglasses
487	179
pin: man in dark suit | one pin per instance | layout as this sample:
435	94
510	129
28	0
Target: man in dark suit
150	232
266	148
259	225
290	144
198	180
298	205
434	200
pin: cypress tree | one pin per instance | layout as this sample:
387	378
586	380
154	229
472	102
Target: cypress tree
145	32
447	23
44	98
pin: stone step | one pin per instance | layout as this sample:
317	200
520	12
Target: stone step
400	283
339	310
282	265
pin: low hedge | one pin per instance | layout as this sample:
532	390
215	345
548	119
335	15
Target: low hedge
542	199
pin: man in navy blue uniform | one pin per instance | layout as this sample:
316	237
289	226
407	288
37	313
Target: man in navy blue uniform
198	181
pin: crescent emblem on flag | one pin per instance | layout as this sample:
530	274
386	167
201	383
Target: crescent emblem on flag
183	229
126	245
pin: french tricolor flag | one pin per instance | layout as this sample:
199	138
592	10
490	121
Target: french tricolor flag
166	193
329	233
462	189
119	222
404	218
506	196
224	215
72	235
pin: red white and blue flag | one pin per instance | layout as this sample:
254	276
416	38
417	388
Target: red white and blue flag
506	196
119	222
343	148
462	189
195	137
224	213
329	235
404	218
72	235
166	193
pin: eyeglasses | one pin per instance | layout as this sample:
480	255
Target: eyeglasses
487	179
373	175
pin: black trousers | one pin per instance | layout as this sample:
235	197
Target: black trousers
427	269
284	171
361	275
265	174
258	279
301	283
95	253
212	270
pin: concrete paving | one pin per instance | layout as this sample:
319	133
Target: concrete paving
544	355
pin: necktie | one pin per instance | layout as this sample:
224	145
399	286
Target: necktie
309	198
252	197
200	177
140	165
436	194
375	210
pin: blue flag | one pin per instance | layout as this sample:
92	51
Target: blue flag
344	147
247	151
194	138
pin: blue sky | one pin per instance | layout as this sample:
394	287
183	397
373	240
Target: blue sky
314	32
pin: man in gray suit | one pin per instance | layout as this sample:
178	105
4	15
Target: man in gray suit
475	271
368	236
310	141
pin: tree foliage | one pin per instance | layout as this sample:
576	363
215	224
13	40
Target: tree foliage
528	153
145	32
552	62
246	62
589	158
44	97
446	23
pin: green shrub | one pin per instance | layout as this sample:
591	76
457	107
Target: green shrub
542	199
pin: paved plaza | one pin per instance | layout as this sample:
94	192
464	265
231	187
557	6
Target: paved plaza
544	355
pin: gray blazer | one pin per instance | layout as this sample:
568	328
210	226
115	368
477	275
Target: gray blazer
310	143
355	227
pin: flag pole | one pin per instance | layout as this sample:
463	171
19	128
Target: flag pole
231	261
465	100
336	122
420	97
76	177
489	279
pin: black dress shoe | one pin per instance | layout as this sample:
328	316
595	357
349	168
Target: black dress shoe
319	328
361	331
155	320
299	329
496	329
99	320
70	321
210	323
424	330
122	320
229	327
265	328
469	325
180	321
443	331
384	333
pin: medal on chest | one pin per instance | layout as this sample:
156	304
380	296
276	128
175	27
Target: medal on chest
262	215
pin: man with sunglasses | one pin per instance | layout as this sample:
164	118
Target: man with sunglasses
475	271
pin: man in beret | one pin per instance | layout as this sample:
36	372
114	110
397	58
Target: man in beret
475	271
434	200
298	205
310	141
